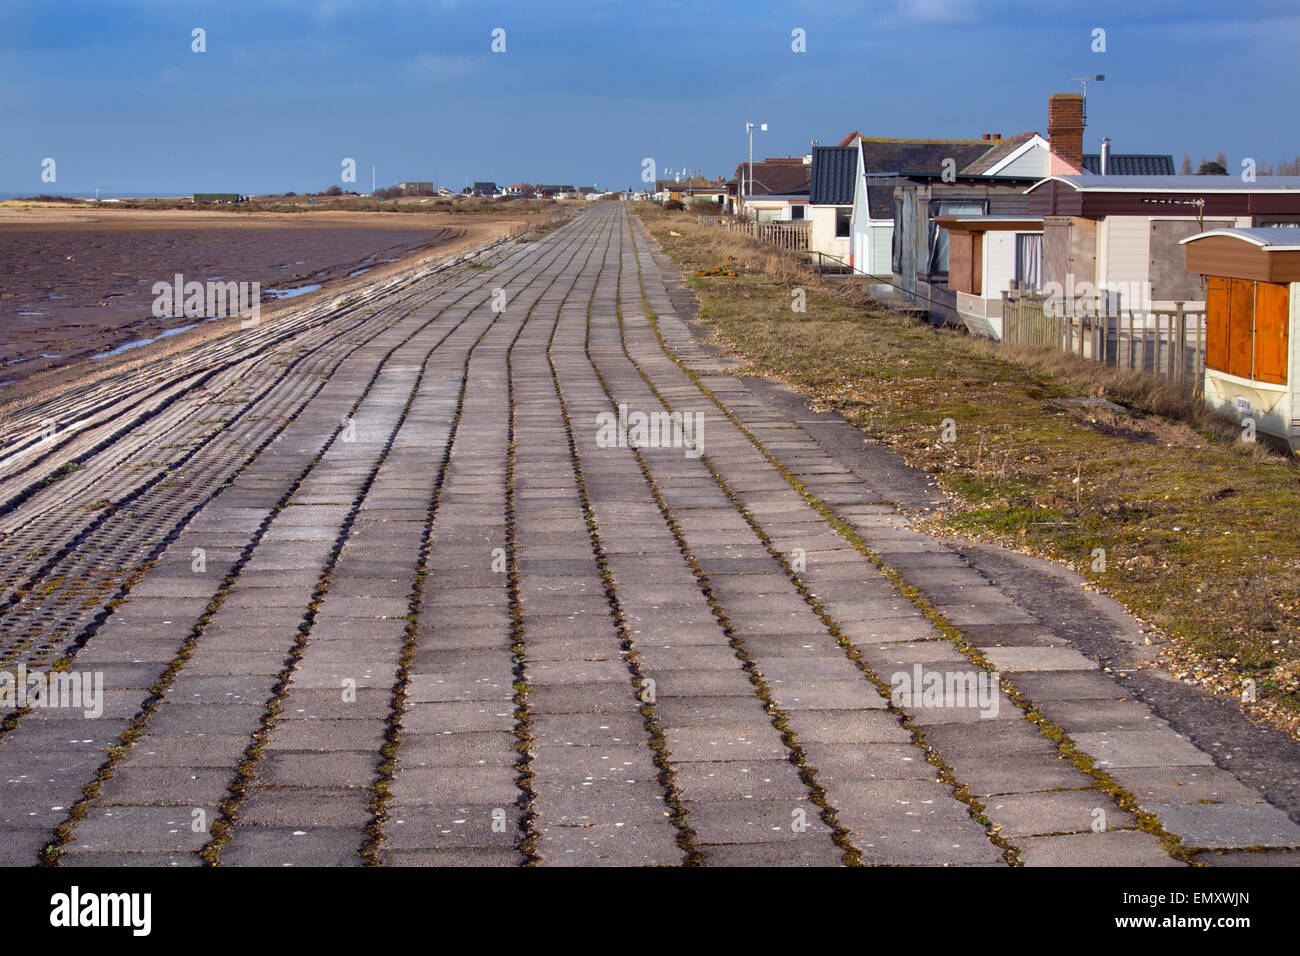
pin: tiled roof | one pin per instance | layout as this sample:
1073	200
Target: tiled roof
920	157
880	196
1130	164
832	178
777	179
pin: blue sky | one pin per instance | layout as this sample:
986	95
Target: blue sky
585	90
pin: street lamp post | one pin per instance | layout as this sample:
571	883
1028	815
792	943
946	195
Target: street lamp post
749	128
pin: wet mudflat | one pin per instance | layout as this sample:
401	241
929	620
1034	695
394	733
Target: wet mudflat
71	291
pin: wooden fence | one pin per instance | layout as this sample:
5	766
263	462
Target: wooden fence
792	235
1166	343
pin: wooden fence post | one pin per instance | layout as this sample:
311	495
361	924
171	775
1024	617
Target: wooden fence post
1181	322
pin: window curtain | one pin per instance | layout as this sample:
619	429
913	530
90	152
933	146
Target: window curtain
1029	261
896	238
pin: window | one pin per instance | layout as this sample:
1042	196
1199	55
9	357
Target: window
796	212
843	222
1029	261
939	237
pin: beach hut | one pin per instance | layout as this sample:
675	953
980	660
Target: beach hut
1252	326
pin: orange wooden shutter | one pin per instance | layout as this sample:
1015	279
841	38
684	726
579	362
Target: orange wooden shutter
1216	323
1271	315
1241	318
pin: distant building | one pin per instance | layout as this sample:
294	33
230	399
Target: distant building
219	197
484	190
416	188
520	190
714	190
775	190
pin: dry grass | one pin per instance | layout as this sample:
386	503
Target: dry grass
1198	526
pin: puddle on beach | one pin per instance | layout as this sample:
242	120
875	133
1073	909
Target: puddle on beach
291	293
139	342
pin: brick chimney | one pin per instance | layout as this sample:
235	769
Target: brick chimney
1065	133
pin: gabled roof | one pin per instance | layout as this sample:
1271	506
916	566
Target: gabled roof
1130	164
1001	150
832	177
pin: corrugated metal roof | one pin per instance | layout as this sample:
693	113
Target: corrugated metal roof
833	172
1175	184
1130	164
1278	238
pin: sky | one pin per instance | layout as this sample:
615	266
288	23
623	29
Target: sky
584	92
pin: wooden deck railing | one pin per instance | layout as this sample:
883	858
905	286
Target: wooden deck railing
791	234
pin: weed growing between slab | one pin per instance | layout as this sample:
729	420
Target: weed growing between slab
678	815
392	732
245	772
530	836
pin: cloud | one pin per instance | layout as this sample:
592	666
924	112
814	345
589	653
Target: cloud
438	64
943	11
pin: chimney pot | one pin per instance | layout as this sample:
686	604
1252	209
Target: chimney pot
986	136
997	136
